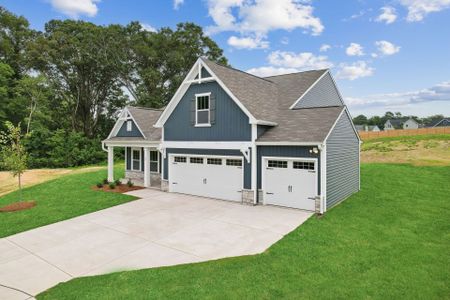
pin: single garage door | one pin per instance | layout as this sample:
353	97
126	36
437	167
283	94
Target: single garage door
290	182
218	177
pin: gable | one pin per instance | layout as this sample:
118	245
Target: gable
123	132
204	73
322	94
231	123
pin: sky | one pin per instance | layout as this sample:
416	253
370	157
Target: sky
390	55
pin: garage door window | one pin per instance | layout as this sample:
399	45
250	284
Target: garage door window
196	160
277	164
180	159
234	162
303	165
136	160
214	161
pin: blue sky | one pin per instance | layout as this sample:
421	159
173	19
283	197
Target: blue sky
385	55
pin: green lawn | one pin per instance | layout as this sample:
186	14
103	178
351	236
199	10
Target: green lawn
410	138
59	199
390	241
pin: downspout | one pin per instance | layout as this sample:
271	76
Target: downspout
254	162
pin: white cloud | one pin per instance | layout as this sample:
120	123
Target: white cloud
262	16
74	9
418	9
177	3
387	48
271	71
439	92
148	27
248	42
354	50
284	40
388	15
324	48
300	61
354	71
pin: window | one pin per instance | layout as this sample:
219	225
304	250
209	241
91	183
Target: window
136	159
214	161
202	113
129	125
154	161
234	162
277	164
179	159
303	165
196	160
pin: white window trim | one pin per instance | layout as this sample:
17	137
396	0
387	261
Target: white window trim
157	160
129	125
197	110
132	159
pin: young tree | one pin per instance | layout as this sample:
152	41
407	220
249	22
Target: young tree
13	156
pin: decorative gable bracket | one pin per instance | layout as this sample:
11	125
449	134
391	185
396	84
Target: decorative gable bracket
246	153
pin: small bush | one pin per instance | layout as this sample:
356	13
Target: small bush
118	182
99	185
105	181
130	183
112	185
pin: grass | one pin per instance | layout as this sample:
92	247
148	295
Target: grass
389	241
59	199
442	137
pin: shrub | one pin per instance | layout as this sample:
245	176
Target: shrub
130	183
99	185
112	185
118	182
105	181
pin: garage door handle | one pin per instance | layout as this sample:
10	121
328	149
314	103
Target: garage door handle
312	198
174	182
269	193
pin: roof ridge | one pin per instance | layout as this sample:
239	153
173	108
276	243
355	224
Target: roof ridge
293	73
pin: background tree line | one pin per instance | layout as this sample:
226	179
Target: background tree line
381	120
65	85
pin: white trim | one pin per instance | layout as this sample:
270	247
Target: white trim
198	110
131	144
202	125
335	85
132	159
121	120
337	120
185	85
110	164
323	178
288	143
129	125
264	158
351	122
147	177
267	123
310	87
206	145
254	169
207	79
334	124
157	160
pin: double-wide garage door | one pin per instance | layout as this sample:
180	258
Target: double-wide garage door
218	177
290	182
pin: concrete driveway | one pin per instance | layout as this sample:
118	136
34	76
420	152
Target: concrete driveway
161	229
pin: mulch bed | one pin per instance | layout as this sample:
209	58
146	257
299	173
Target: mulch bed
16	206
123	188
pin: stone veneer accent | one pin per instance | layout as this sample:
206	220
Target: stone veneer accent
134	175
164	185
247	197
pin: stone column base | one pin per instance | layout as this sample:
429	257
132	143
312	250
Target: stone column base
164	185
317	204
247	197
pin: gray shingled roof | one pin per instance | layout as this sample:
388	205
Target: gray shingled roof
146	118
302	125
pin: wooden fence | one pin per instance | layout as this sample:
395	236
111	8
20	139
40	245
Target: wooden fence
368	135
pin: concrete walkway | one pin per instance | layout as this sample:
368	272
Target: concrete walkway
161	229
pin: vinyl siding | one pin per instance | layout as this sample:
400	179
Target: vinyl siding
323	94
342	161
133	133
231	123
247	166
285	151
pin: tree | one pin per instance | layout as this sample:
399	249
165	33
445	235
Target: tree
360	120
13	154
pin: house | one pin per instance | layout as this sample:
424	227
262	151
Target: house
367	128
444	122
401	123
283	140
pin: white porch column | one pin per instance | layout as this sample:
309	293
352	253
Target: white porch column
146	166
110	163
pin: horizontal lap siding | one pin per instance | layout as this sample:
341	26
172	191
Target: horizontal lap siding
286	151
323	94
342	162
247	166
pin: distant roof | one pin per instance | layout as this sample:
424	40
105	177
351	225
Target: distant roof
438	121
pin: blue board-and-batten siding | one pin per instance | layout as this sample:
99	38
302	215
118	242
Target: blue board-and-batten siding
223	152
342	161
285	151
323	94
133	133
231	123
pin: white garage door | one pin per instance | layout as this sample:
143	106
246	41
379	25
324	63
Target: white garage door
208	176
290	182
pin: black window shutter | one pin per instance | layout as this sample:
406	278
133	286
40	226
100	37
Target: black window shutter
193	111
212	109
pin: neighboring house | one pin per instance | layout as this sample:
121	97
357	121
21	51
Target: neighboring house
367	128
284	140
440	123
401	123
